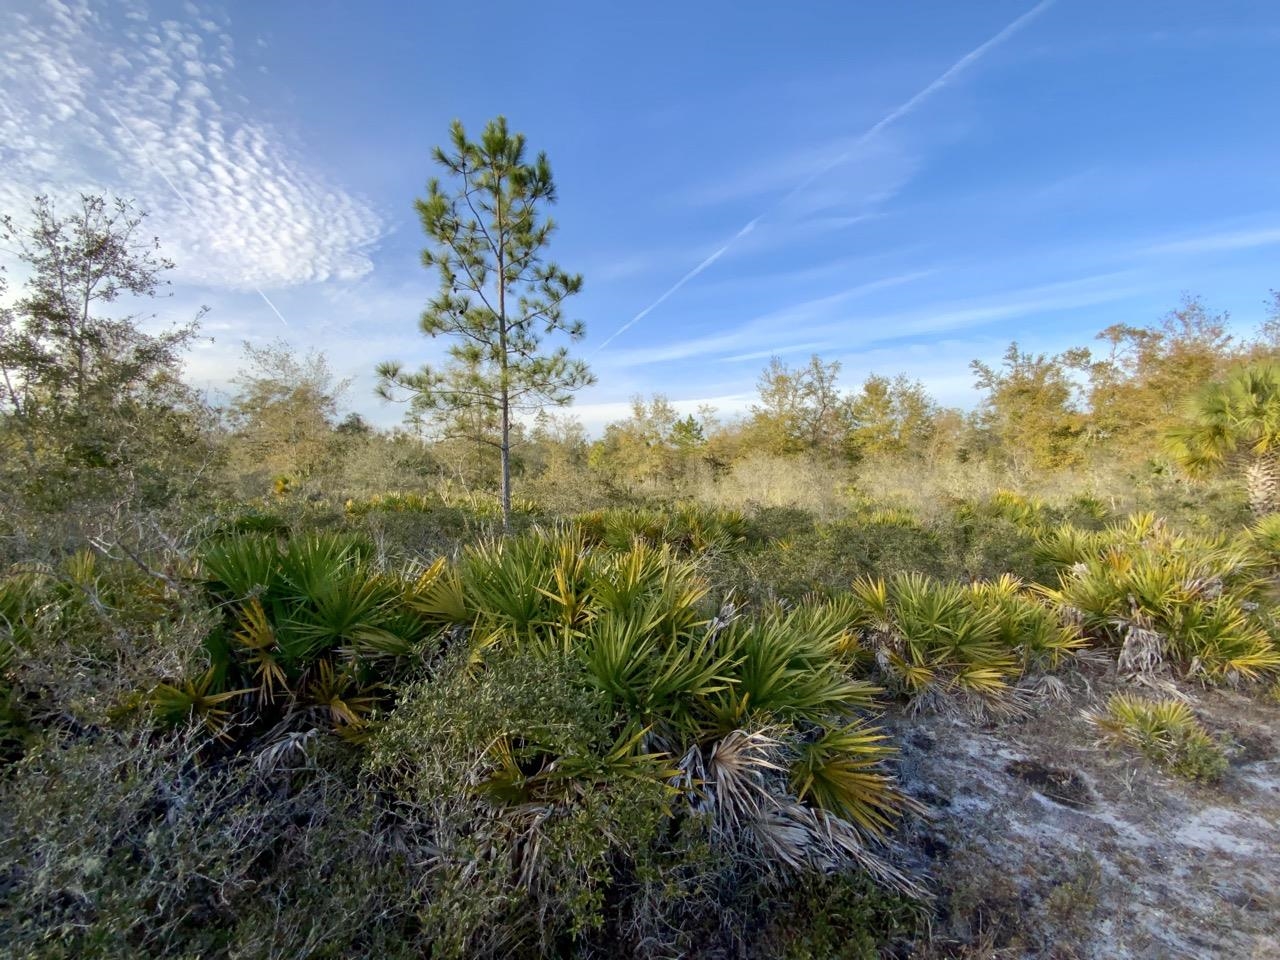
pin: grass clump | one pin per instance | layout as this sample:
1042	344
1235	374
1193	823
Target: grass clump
1165	731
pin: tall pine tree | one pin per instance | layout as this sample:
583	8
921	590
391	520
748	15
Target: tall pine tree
498	297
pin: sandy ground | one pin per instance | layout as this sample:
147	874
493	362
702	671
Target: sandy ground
1047	845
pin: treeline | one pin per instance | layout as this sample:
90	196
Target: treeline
94	407
1113	406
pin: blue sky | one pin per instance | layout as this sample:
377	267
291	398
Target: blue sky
901	187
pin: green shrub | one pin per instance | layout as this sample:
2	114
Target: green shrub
1166	732
686	527
118	846
310	633
838	917
539	803
79	636
932	638
827	557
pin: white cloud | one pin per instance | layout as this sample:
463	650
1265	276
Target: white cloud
596	416
145	109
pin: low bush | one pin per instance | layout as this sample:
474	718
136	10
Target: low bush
688	527
827	557
1161	597
310	634
78	636
931	639
1165	731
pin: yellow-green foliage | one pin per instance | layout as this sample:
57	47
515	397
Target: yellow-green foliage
473	504
309	626
636	625
1265	536
1165	731
688	527
1162	596
929	636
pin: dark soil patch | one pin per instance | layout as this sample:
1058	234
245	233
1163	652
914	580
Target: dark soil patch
1061	786
1251	749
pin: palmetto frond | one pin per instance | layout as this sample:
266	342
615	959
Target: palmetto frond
240	567
841	770
309	564
255	638
345	700
788	667
1165	730
1237	417
438	594
197	698
1161	596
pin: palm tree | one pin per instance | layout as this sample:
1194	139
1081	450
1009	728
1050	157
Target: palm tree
1235	424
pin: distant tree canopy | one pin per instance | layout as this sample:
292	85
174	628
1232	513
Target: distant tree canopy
1028	408
91	399
800	409
1137	388
284	413
652	446
498	297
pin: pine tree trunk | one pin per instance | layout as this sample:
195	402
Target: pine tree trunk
504	361
1262	478
506	462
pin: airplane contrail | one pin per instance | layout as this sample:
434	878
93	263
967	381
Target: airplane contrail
896	114
177	193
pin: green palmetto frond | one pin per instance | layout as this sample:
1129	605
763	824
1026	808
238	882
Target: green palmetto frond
81	568
242	566
1265	533
1177	596
1238	413
946	633
1026	624
439	595
842	771
873	594
350	607
652	674
1166	731
788	667
505	579
337	691
569	592
311	564
1219	639
523	769
650	578
196	698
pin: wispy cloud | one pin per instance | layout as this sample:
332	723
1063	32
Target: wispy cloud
825	324
945	78
881	169
113	99
1217	242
